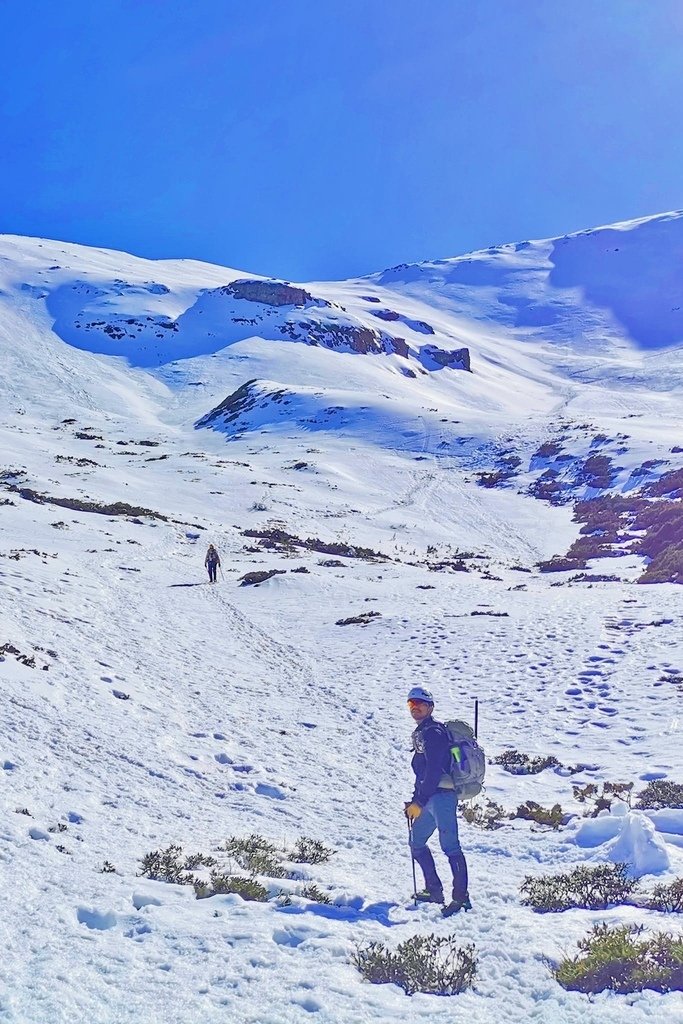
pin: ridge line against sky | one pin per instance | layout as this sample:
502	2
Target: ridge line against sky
311	142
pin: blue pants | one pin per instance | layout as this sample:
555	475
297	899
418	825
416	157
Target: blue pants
440	813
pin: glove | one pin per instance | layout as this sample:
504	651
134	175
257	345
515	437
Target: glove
412	811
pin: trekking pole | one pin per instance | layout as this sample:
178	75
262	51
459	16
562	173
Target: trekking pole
476	718
222	576
412	858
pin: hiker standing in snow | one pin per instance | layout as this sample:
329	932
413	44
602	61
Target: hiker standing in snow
212	561
434	805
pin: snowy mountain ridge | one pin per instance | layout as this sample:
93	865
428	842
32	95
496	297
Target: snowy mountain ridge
389	512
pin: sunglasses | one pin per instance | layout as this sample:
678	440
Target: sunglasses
417	703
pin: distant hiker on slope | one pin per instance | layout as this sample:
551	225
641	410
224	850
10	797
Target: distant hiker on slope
434	805
212	561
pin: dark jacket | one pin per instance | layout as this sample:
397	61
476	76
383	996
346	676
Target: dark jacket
431	760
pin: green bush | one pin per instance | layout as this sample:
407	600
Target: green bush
661	793
602	801
615	959
485	816
552	817
256	855
521	764
316	895
423	963
199	860
310	851
668	898
587	888
247	888
167	865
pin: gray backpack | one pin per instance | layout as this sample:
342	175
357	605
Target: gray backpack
468	761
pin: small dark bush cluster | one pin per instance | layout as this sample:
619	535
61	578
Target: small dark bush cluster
310	851
423	963
167	865
667	898
587	888
107	868
521	764
199	860
552	817
661	793
257	855
488	816
601	800
616	959
247	888
316	895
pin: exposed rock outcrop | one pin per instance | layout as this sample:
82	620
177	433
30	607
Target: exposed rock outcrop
433	357
271	293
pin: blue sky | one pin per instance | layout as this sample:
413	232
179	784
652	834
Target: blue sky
332	138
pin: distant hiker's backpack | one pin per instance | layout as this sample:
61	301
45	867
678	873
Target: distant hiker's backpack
468	761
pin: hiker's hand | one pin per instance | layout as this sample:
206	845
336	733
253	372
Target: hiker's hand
412	811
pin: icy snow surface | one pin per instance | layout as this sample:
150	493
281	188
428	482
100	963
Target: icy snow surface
142	706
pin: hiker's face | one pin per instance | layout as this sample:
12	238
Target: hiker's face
419	710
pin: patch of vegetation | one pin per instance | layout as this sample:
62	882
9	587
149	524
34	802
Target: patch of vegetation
361	620
615	525
494	479
669	484
248	888
169	865
310	851
667	898
252	579
316	895
517	763
423	963
116	508
256	855
548	450
280	540
199	860
107	868
597	471
552	817
488	816
660	793
602	800
617	960
587	888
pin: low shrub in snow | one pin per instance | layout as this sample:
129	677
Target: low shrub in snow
616	959
423	963
107	868
552	817
488	816
247	888
521	764
661	793
169	865
668	898
587	888
257	855
313	893
602	800
310	851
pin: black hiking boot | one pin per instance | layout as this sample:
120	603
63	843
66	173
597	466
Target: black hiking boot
427	896
455	906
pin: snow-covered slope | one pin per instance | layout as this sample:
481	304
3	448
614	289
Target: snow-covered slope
330	433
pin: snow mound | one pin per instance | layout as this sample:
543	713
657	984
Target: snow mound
638	846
